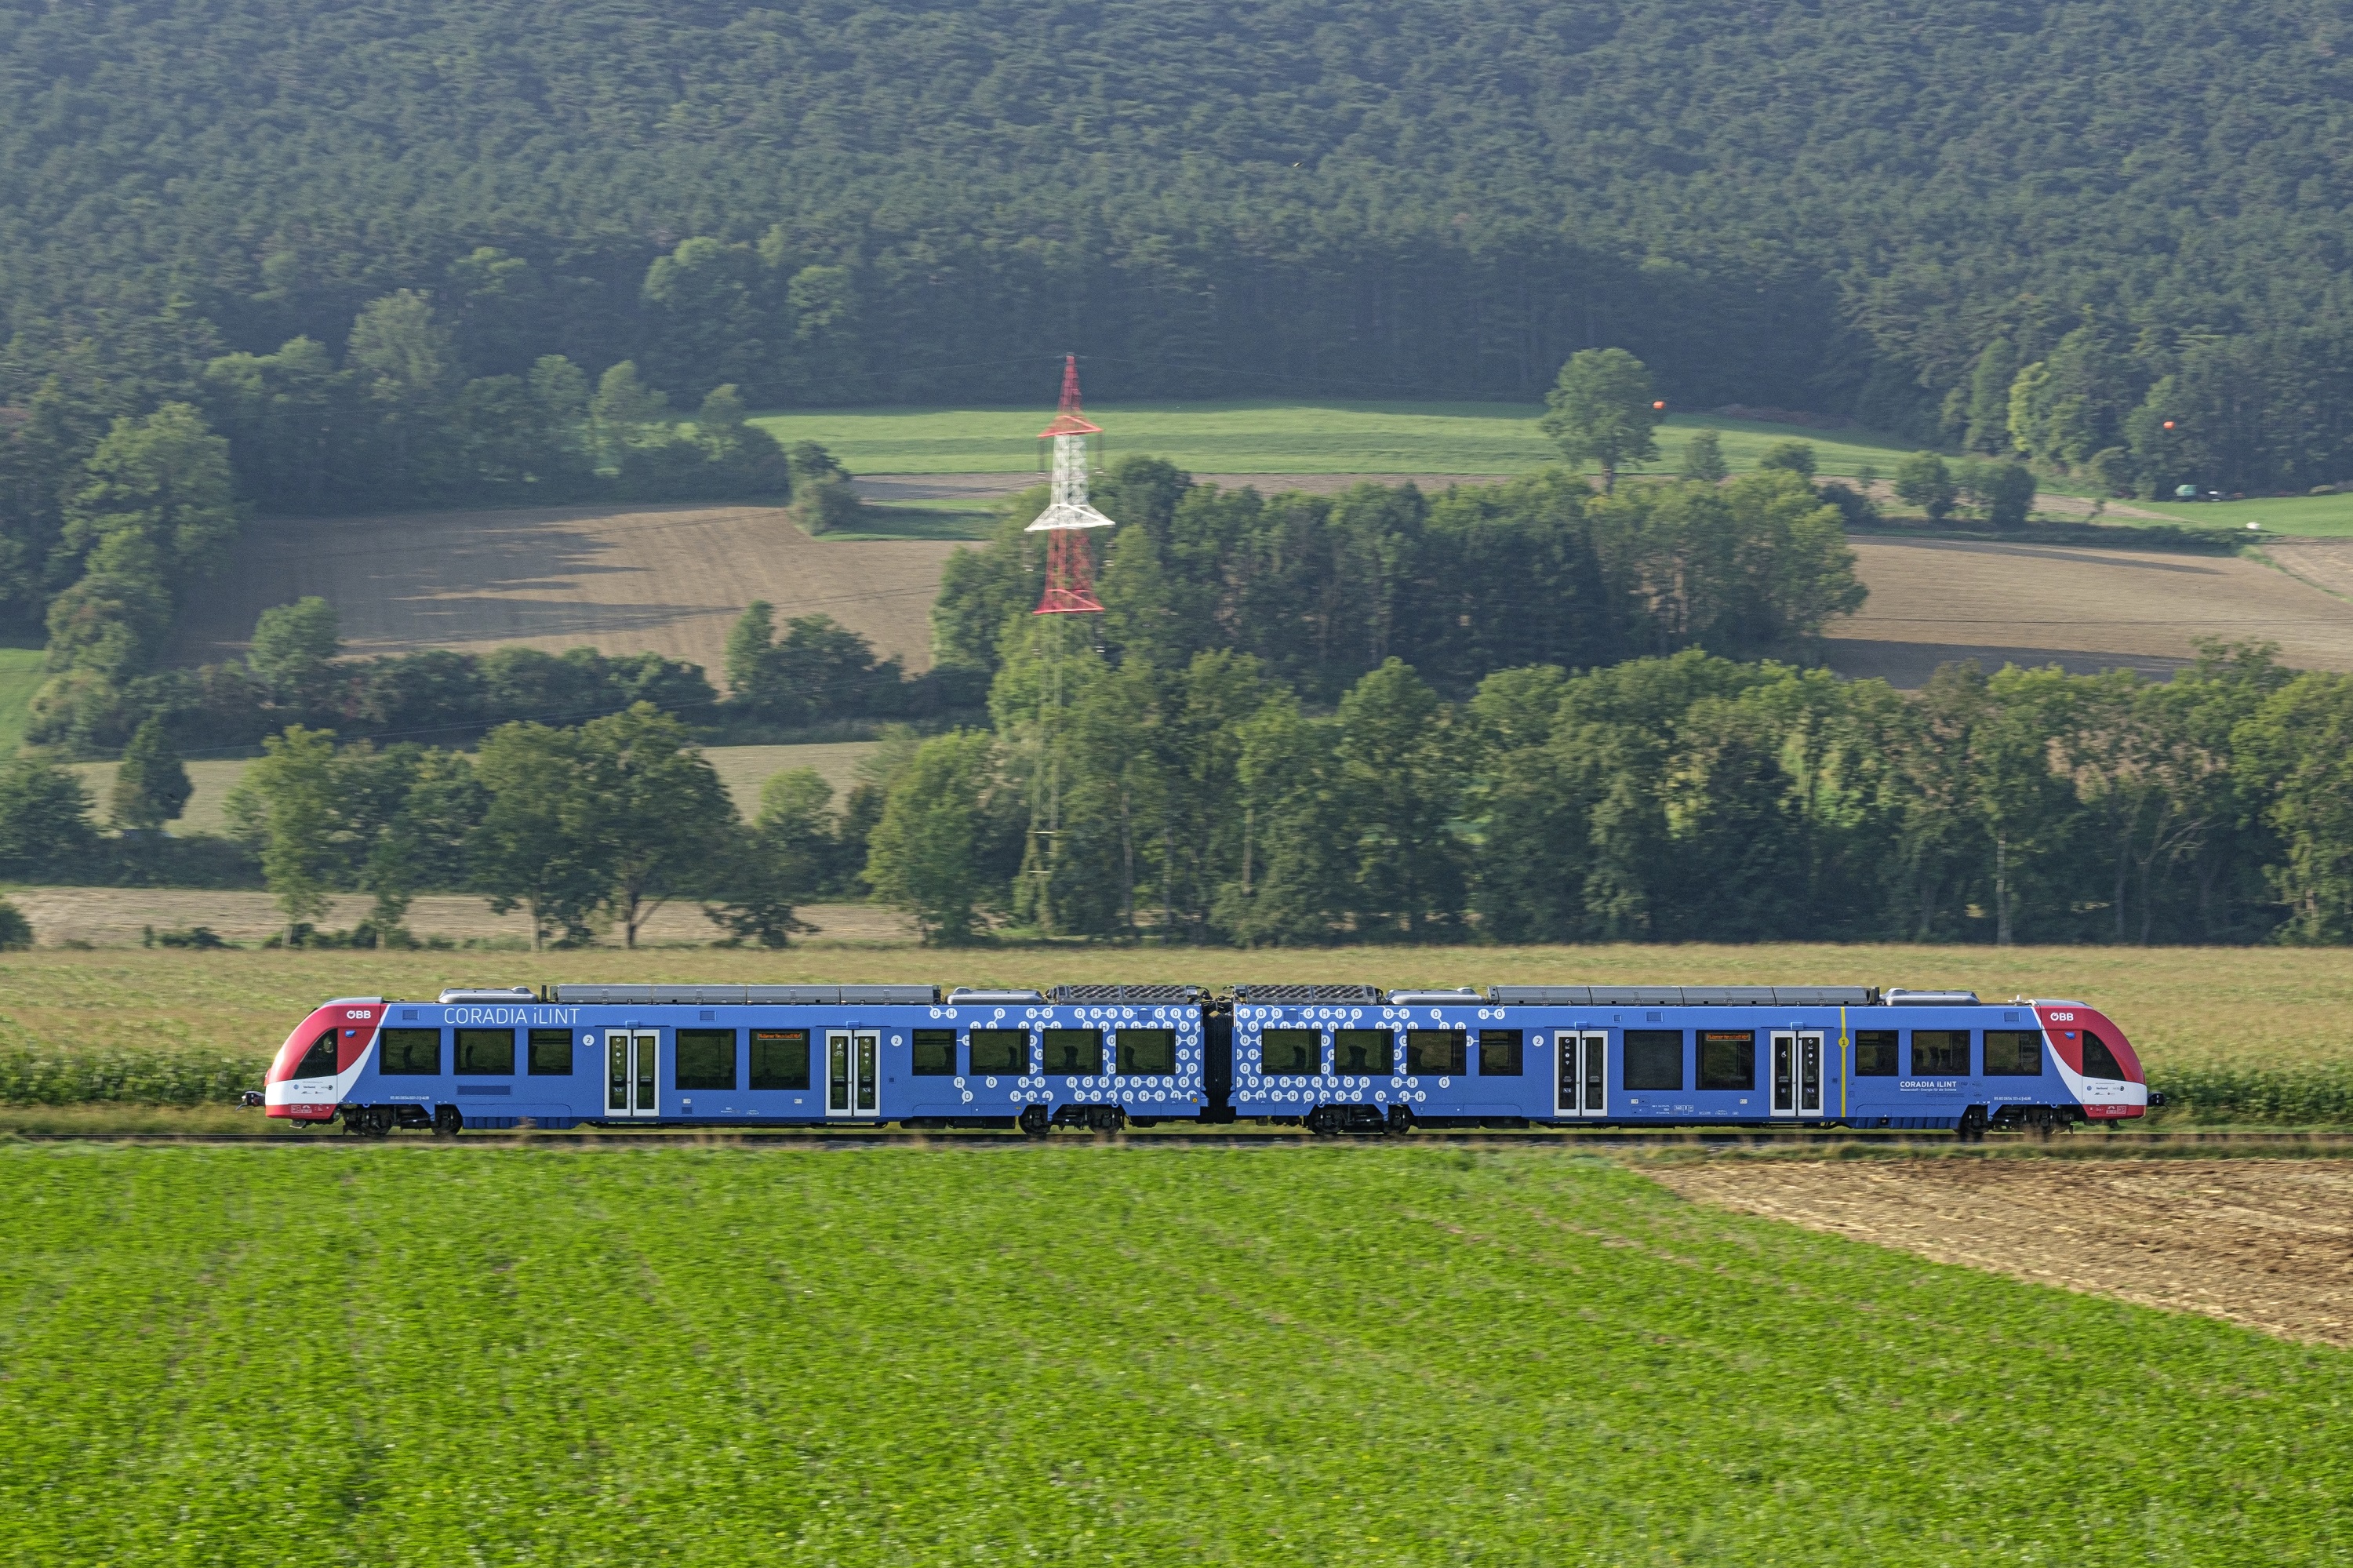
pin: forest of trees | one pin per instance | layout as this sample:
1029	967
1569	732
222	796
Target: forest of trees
470	252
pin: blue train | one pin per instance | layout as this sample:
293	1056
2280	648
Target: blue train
1333	1058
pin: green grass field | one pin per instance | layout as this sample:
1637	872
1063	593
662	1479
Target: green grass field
1350	1356
21	675
1266	435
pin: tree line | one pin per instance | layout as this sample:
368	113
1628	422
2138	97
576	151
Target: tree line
1320	588
811	672
1681	797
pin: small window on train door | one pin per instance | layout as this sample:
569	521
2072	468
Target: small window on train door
1145	1053
703	1059
1074	1051
551	1052
1499	1053
319	1061
1654	1059
485	1053
1000	1051
1874	1054
2099	1062
1941	1052
1727	1058
1437	1051
2013	1053
934	1054
1293	1052
409	1052
1364	1051
780	1059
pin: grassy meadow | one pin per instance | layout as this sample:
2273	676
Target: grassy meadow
1269	436
21	674
138	1025
1346	1356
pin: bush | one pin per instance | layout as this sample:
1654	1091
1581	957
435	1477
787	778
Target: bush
16	931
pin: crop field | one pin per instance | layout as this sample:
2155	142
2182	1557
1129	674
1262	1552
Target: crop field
1254	436
669	580
1087	1356
1935	601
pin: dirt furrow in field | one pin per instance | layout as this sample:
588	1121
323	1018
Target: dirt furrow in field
2266	1243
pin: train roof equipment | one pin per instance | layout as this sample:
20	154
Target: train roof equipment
1179	993
489	993
746	995
1460	994
965	995
1899	997
1685	996
1299	993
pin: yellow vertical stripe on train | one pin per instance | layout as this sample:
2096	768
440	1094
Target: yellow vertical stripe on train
1841	1062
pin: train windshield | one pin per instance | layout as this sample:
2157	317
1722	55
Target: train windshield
2099	1062
319	1061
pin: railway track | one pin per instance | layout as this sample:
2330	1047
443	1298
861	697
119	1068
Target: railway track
1711	1140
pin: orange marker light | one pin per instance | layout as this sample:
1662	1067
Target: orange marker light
2168	424
1663	405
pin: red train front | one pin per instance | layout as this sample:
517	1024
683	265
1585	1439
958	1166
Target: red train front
322	1059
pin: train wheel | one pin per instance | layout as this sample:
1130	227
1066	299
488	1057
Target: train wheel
1035	1121
1973	1125
449	1121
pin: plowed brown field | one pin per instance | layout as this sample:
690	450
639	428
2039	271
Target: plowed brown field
2266	1243
672	579
1934	601
669	580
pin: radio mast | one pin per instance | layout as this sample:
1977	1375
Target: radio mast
1069	590
1070	568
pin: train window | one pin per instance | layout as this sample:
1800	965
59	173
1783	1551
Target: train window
1874	1054
319	1061
1294	1051
2099	1062
780	1059
1499	1053
1654	1059
704	1058
1145	1053
409	1052
551	1052
1000	1051
934	1054
1076	1050
1941	1052
1370	1051
2013	1053
485	1053
1727	1058
1441	1050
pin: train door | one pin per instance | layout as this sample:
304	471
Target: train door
1796	1072
852	1058
632	1072
1584	1089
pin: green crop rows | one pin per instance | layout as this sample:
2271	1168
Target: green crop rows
1084	1355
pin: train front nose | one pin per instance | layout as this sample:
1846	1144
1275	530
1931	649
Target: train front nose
2098	1064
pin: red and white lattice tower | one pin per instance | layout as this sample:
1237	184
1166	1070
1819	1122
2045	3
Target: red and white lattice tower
1070	568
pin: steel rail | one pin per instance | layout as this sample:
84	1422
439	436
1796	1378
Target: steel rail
1252	1138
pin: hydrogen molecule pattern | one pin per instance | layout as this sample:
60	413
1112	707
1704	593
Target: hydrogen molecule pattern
1139	1093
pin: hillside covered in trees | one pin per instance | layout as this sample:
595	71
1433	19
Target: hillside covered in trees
1838	207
